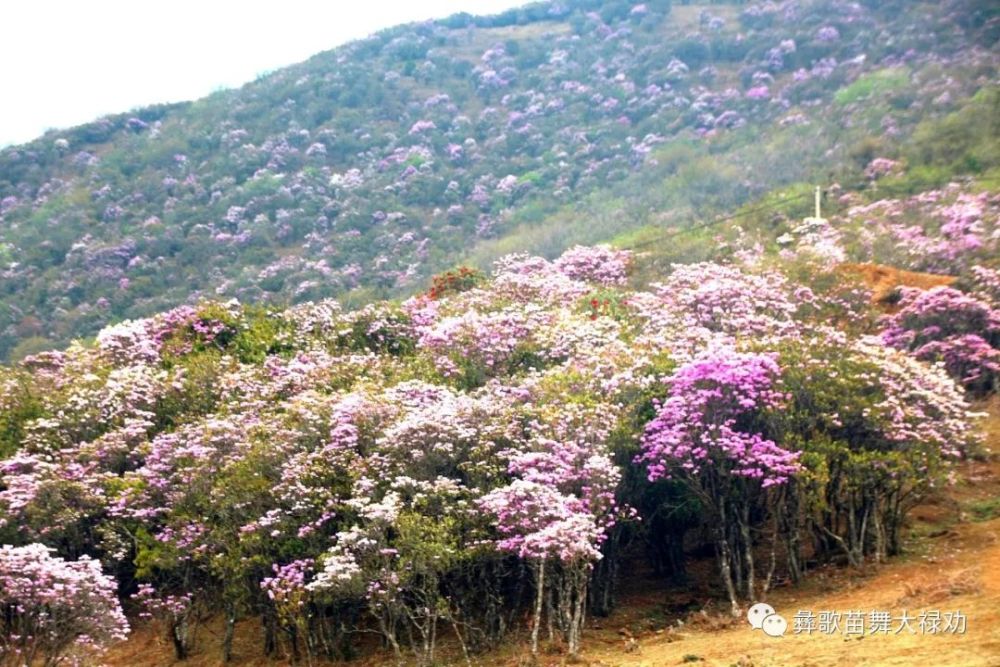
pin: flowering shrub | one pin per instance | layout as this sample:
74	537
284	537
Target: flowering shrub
944	231
943	324
538	523
706	434
475	345
880	167
599	264
337	471
55	610
287	591
698	425
722	299
524	278
450	282
880	426
986	283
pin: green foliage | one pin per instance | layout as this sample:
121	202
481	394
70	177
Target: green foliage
154	558
258	334
199	393
29	346
379	330
604	302
985	510
428	544
967	140
19	404
883	83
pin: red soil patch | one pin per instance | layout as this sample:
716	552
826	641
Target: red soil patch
882	280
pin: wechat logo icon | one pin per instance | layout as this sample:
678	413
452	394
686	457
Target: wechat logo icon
762	616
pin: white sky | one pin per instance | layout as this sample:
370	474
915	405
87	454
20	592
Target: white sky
66	62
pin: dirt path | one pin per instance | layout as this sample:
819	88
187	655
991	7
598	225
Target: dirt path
952	564
960	571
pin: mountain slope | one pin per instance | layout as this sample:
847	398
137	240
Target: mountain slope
365	169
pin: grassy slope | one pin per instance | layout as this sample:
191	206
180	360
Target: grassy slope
684	181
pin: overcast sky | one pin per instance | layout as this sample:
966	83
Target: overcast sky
66	62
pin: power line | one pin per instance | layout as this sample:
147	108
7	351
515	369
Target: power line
774	207
717	221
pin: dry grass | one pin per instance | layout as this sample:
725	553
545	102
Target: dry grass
684	18
965	582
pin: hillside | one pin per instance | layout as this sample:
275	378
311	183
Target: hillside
477	473
571	335
364	170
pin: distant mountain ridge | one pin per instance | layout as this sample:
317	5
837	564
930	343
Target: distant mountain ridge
364	170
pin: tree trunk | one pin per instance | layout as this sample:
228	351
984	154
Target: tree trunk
178	635
575	630
725	559
539	597
270	635
744	518
227	638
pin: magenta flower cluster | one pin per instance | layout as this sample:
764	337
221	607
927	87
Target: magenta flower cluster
943	324
287	588
538	522
708	419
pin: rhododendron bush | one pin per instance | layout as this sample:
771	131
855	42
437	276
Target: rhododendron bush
947	230
53	610
475	455
943	324
878	427
704	433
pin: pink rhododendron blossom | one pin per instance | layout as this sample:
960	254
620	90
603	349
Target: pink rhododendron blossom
699	424
54	609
